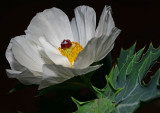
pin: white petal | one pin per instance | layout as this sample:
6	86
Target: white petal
53	24
106	44
75	30
44	56
54	54
87	56
96	49
86	23
26	53
54	74
85	70
25	77
12	61
106	23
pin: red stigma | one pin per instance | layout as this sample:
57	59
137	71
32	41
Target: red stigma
66	44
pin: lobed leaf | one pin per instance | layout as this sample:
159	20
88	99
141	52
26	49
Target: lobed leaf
129	77
125	86
102	105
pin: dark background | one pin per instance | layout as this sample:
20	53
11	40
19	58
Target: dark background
139	21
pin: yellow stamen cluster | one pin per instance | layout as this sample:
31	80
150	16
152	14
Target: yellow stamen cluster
72	52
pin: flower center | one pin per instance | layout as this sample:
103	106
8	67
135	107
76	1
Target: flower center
70	50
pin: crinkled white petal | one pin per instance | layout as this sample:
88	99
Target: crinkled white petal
26	53
54	74
75	30
86	23
107	44
53	24
96	49
54	54
25	77
106	23
44	56
12	61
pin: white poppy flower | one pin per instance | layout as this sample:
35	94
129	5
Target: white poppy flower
55	49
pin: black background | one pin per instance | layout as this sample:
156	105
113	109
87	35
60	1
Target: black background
139	21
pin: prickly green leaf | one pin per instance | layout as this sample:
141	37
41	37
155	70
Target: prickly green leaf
102	105
128	100
124	83
124	54
107	92
129	79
